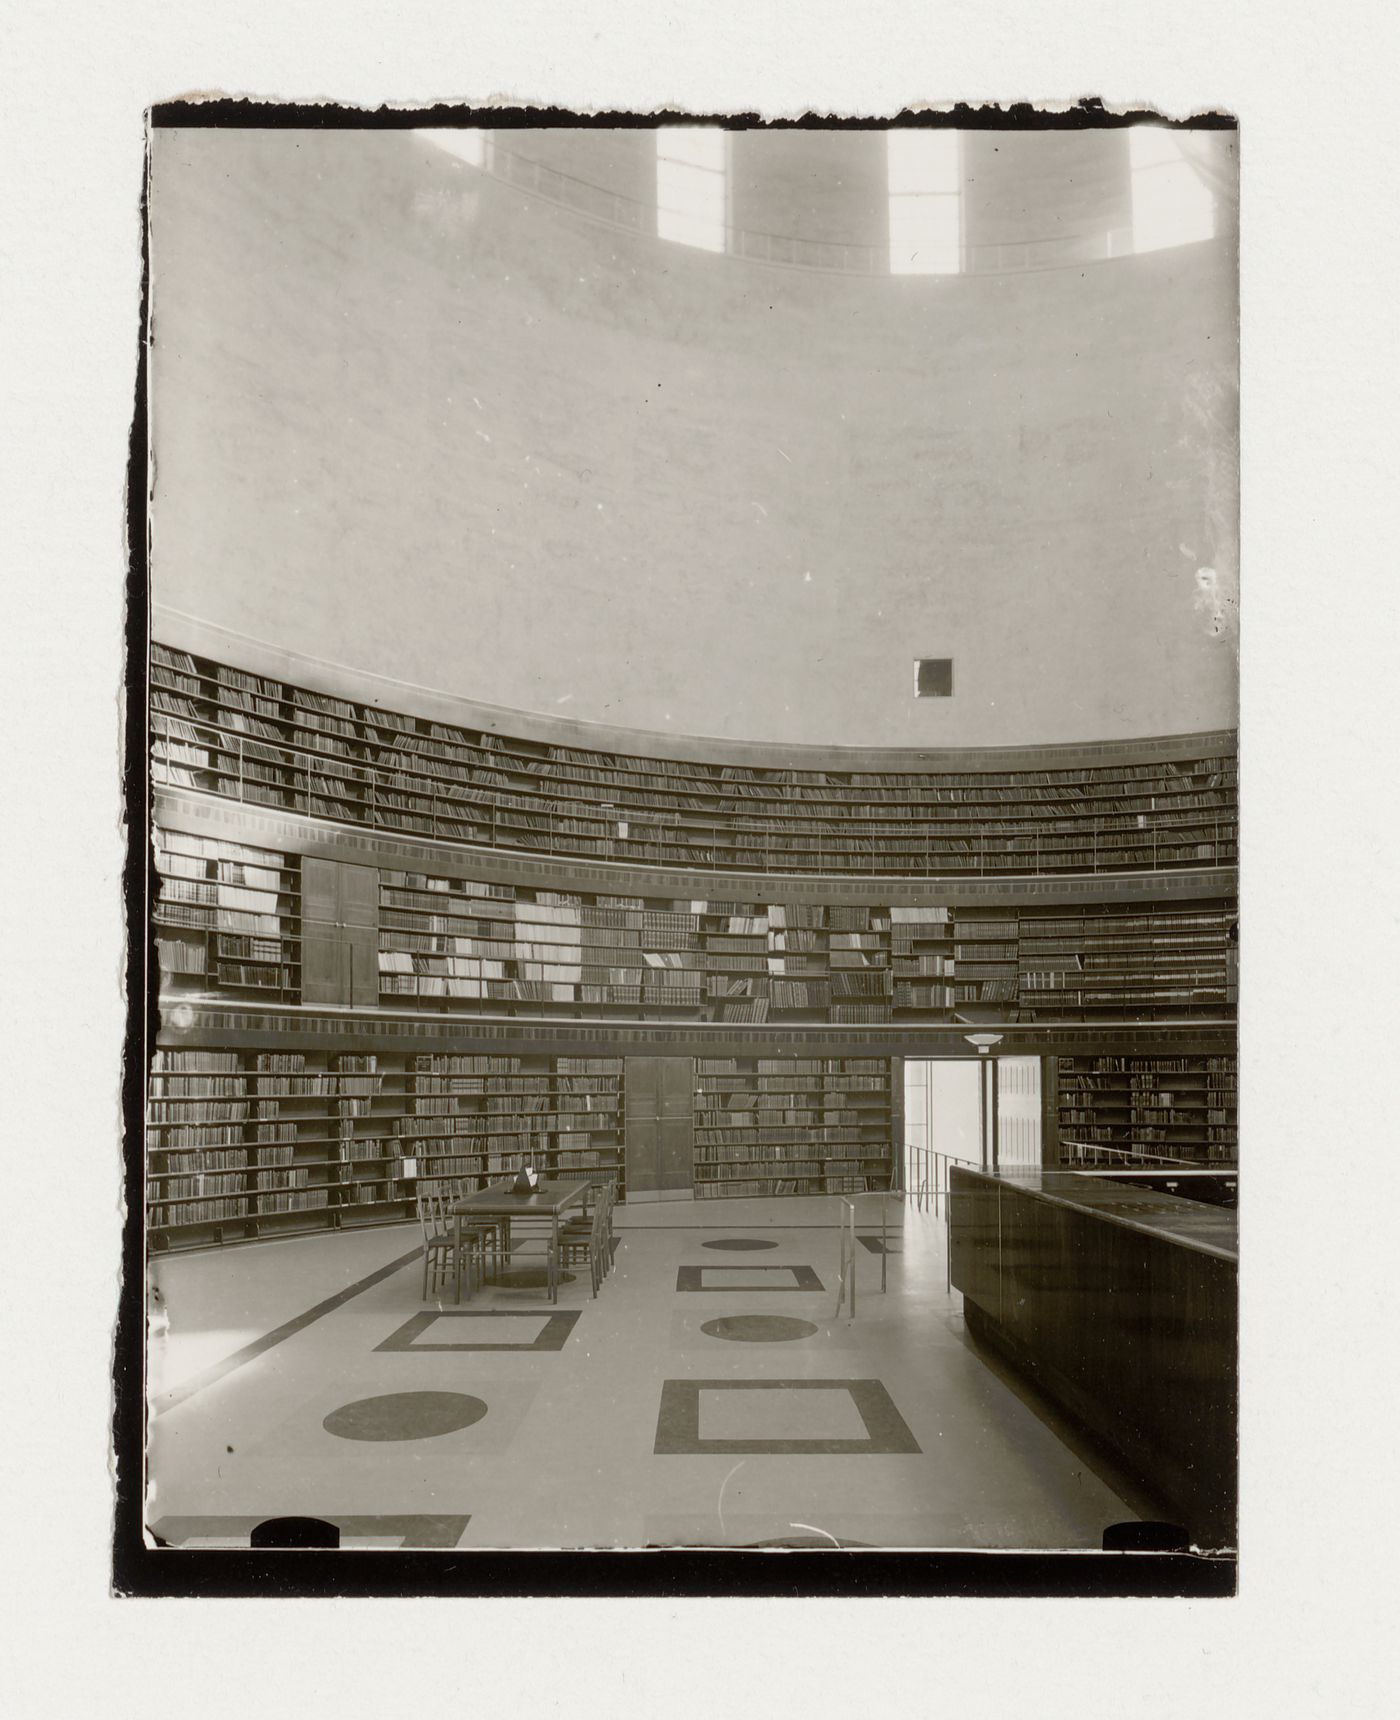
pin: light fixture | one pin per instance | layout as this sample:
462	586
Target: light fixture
983	1041
181	1018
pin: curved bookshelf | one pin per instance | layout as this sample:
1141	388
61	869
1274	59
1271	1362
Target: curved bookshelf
225	731
531	912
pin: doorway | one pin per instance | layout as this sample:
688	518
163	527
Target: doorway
943	1106
660	1116
983	1110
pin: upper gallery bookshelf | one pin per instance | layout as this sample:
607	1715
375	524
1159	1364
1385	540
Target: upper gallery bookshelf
454	945
227	917
224	731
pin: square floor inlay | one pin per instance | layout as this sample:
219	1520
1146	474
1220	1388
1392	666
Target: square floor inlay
692	1422
748	1279
494	1329
830	1414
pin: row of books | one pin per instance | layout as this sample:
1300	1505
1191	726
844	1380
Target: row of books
419	769
217	681
898	844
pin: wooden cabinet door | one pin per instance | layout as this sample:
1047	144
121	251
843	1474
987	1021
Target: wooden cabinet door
642	1102
322	977
339	933
675	1159
359	924
660	1127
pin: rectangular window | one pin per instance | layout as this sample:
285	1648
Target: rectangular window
690	190
925	191
466	144
933	677
1170	204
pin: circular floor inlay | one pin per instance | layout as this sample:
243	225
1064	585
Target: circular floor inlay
758	1328
526	1278
739	1244
404	1415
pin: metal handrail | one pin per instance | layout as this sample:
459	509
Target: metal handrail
846	1262
1145	1159
930	1185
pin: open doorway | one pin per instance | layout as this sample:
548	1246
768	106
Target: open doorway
984	1111
943	1106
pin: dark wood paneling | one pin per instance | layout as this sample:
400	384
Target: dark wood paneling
974	1241
1133	1335
660	1133
320	890
204	1023
359	896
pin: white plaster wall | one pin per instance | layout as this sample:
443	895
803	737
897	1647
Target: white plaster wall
416	422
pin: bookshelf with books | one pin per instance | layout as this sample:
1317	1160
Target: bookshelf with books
1120	961
793	1125
223	731
482	1116
1160	1110
227	917
228	922
243	1144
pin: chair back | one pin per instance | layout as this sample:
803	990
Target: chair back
424	1205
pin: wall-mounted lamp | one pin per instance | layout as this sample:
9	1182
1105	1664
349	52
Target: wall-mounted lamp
983	1041
181	1018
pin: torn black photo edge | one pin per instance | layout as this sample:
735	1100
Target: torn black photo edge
142	1569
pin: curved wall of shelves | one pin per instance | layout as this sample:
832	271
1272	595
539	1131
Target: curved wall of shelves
231	733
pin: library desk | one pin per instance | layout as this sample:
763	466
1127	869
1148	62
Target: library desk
1120	1304
542	1208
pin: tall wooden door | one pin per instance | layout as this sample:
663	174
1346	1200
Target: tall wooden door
339	933
359	929
660	1114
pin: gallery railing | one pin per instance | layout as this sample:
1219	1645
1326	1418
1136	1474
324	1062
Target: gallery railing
273	774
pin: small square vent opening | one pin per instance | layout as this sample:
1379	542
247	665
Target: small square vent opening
933	677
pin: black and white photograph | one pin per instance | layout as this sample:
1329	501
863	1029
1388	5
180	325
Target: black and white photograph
698	704
692	728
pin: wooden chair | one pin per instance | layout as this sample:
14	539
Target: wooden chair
439	1246
443	1256
588	1238
606	1201
494	1233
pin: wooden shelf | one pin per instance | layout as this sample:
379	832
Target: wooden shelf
391	771
792	1158
1098	1105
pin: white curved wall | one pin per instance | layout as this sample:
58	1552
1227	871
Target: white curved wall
413	421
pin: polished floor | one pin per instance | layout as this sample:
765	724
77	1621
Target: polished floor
710	1396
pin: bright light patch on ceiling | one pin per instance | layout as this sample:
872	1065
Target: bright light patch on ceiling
1170	204
468	146
925	191
690	185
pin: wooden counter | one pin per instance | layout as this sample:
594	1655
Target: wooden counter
1121	1305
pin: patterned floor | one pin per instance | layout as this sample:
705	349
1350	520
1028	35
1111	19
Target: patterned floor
709	1396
